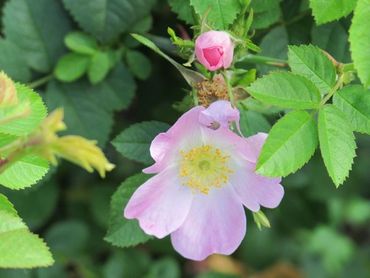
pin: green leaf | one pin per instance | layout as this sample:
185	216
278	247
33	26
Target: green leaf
329	10
19	248
266	13
24	172
88	109
142	25
221	13
359	37
334	39
291	143
310	62
183	9
25	125
6	206
81	43
165	268
99	203
71	67
354	101
123	232
190	76
44	198
22	249
99	67
60	240
107	19
337	143
31	26
274	44
12	61
134	142
252	122
84	115
127	263
264	5
286	90
321	242
139	64
266	18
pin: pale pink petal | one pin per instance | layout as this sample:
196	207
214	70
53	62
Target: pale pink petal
228	59
161	204
166	146
255	190
238	147
219	113
160	146
216	223
256	142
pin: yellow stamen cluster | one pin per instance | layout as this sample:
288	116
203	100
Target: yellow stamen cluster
203	168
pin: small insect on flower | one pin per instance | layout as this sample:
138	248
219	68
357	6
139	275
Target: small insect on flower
214	50
205	173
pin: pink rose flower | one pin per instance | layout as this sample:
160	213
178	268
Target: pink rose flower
214	50
203	178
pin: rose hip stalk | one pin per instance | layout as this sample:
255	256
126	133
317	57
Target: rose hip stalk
214	50
205	173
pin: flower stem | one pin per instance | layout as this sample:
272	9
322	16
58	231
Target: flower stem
41	81
229	87
333	90
348	67
258	59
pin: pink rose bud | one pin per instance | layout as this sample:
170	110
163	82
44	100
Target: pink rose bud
214	50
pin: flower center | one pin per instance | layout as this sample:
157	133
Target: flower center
203	168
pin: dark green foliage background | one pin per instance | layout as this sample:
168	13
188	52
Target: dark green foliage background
320	230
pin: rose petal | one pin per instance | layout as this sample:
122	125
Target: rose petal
216	223
161	204
220	112
166	146
159	148
256	142
254	190
214	40
213	55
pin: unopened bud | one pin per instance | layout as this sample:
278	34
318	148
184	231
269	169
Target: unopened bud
83	152
214	50
54	122
261	220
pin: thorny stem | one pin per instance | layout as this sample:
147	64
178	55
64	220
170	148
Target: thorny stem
41	81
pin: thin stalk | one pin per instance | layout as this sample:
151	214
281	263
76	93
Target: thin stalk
12	146
195	97
229	87
348	67
41	81
333	90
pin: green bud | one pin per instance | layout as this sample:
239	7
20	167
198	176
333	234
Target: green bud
261	220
